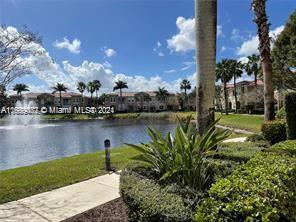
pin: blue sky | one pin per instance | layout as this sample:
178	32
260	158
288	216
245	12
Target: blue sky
145	42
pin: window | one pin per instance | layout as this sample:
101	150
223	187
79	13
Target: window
243	90
160	107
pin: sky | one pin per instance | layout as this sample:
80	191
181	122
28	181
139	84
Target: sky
147	43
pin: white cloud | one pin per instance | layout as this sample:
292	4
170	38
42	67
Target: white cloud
236	36
158	44
161	54
109	52
107	65
187	65
170	71
223	48
184	40
73	47
250	46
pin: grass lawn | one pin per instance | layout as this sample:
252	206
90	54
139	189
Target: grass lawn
241	121
26	181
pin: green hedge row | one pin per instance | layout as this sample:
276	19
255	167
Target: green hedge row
149	201
263	189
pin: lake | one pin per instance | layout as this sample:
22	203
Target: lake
26	145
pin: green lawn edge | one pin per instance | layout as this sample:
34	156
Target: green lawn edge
26	181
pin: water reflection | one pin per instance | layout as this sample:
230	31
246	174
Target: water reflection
26	145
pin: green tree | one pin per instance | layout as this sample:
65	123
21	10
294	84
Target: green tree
252	67
185	85
224	73
206	34
91	89
284	56
261	19
19	88
161	93
60	87
97	85
120	85
237	71
81	86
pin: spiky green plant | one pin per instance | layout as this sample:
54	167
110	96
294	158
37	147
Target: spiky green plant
181	157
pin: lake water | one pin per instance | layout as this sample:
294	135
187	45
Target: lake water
26	145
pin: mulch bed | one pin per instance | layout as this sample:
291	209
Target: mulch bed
113	211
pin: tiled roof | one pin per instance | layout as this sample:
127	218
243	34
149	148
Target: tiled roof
131	94
231	85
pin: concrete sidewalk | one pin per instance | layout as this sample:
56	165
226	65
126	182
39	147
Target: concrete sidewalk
62	203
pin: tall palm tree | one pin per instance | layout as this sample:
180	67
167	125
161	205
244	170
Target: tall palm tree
97	85
19	88
184	85
120	85
205	36
81	86
237	71
91	89
60	87
252	67
161	93
224	73
259	8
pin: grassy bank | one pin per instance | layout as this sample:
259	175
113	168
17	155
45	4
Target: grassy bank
26	181
241	121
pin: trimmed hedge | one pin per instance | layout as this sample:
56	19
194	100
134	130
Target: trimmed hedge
236	151
281	114
149	201
287	147
274	131
290	107
263	189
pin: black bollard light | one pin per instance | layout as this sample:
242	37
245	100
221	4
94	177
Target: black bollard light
107	155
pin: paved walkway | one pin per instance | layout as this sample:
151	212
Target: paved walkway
62	203
236	130
235	140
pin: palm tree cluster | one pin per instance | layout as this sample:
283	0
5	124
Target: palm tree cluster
19	88
228	69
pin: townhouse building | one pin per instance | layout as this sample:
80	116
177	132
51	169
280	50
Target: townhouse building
142	102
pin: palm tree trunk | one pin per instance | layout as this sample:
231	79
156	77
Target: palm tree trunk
235	96
61	99
205	35
225	98
264	47
120	92
186	102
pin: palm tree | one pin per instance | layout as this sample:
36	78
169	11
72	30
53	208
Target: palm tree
60	87
103	98
91	89
206	34
237	71
161	93
261	20
97	85
81	88
120	85
184	85
224	73
252	67
19	88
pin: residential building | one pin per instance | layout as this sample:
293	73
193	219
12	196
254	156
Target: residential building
142	102
69	99
249	96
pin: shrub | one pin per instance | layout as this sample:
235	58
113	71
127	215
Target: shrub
274	131
288	147
238	152
263	189
281	114
181	157
255	138
290	106
148	201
